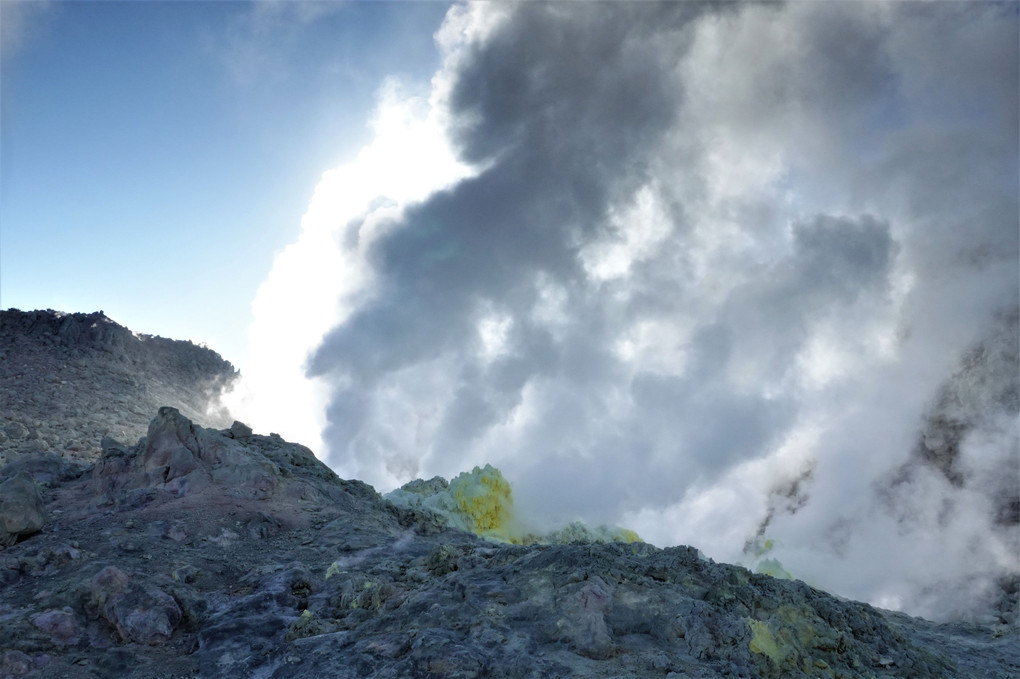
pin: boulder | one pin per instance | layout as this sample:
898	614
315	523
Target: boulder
61	625
139	612
21	509
239	430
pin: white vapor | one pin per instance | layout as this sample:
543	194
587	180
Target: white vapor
316	281
720	273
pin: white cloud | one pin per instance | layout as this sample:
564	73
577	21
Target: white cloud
316	281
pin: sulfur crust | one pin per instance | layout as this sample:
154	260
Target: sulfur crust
484	498
481	502
789	639
763	641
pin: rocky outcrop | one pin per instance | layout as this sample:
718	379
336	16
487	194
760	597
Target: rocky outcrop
67	380
21	509
221	553
139	613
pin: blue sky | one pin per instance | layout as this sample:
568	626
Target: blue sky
156	155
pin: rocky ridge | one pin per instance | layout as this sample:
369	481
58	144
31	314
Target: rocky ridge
67	380
220	553
216	552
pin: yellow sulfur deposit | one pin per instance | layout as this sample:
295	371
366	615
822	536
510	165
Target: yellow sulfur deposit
762	641
624	535
483	497
481	502
791	638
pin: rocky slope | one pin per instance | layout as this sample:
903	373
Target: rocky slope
204	552
67	380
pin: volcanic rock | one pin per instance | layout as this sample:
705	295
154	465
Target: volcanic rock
68	380
218	552
21	508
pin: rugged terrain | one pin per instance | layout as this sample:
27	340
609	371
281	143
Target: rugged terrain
67	380
216	552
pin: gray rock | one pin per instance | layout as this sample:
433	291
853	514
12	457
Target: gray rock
139	612
21	509
584	621
46	468
239	430
79	377
15	430
15	663
61	625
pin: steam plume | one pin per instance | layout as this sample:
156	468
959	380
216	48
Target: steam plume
718	274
